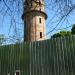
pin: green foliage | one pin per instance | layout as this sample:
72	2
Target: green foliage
56	35
2	39
73	29
64	33
61	34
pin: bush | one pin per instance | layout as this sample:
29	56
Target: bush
61	34
73	29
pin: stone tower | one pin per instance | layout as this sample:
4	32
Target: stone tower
34	17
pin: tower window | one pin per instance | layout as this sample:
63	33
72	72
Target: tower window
31	4
40	9
40	34
39	2
39	20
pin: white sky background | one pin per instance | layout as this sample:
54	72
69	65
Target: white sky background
12	26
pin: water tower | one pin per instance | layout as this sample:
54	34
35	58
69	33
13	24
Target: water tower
34	17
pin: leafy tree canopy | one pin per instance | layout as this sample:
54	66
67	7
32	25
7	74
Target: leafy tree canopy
61	34
2	39
73	29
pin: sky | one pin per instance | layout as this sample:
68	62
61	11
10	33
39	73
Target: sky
8	25
53	21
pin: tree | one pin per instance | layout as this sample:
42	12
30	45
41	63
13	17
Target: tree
2	39
73	29
61	34
56	35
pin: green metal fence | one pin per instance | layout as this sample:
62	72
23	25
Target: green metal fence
48	57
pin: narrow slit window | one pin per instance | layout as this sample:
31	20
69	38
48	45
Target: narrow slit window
31	3
40	9
40	20
40	34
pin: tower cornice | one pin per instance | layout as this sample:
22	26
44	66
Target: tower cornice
25	13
